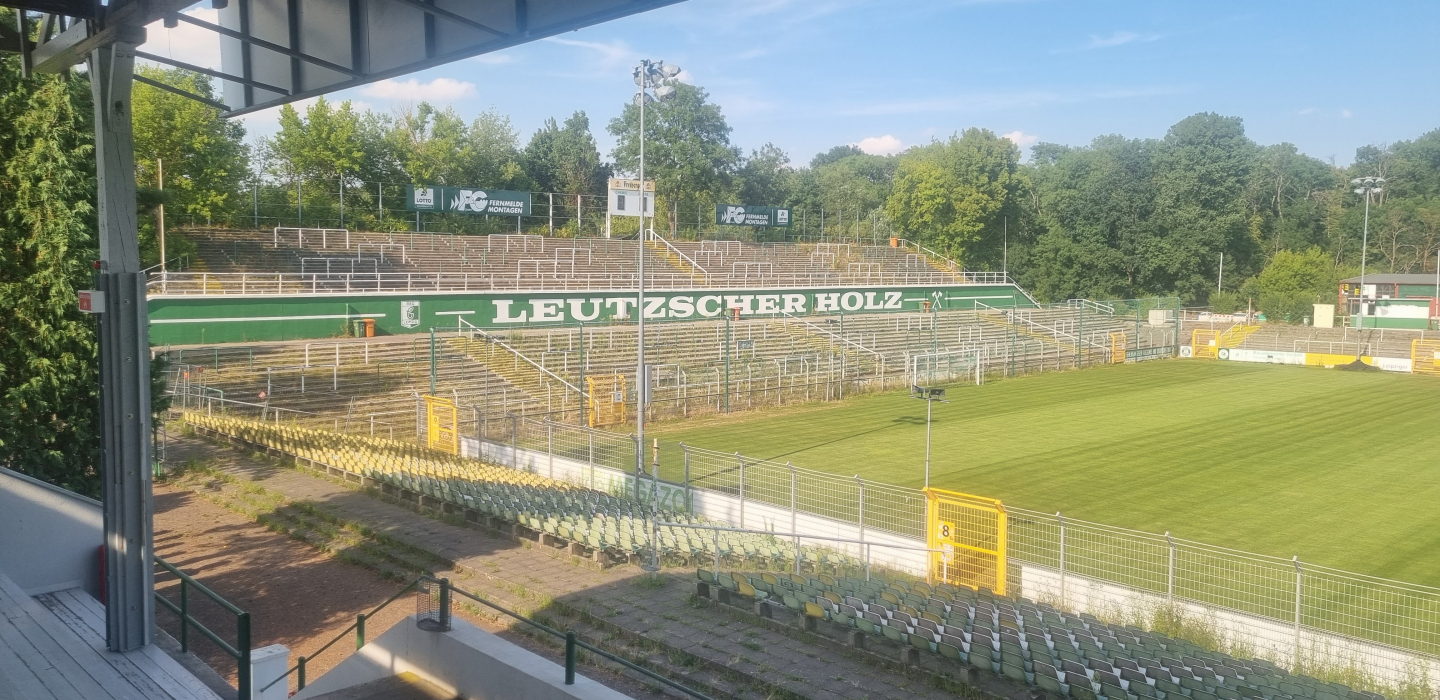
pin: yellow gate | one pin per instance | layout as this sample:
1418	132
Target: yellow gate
607	399
1117	347
970	532
442	424
1425	356
1206	343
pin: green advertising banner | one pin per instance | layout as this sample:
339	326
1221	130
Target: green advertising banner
743	215
467	200
232	318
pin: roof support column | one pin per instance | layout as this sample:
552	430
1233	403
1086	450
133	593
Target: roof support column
124	362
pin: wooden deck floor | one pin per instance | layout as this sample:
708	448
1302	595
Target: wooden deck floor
53	647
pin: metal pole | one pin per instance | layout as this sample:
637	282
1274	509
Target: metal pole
360	631
727	360
432	361
861	516
1298	592
1220	282
742	488
160	210
582	377
1170	570
551	196
929	406
125	419
1061	519
686	451
641	378
342	200
570	658
255	194
1364	248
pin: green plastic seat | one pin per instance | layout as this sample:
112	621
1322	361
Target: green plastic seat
1049	684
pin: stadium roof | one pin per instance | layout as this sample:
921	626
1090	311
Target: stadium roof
1393	279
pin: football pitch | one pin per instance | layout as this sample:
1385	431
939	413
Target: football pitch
1340	468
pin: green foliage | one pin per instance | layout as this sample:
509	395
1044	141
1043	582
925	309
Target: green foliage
949	192
1226	302
48	366
687	147
205	158
564	159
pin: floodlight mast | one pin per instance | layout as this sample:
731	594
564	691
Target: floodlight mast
648	75
1366	186
928	394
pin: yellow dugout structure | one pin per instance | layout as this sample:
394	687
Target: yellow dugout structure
970	532
442	427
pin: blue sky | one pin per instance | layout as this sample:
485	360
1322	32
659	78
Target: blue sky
810	74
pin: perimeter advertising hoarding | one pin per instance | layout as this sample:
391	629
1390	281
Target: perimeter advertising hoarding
467	200
745	215
235	318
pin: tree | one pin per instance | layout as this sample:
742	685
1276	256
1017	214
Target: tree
834	154
687	147
763	179
565	159
48	362
948	193
325	143
1096	220
204	157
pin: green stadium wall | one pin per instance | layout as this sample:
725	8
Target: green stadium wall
216	318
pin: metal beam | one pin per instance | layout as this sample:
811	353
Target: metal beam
125	457
69	8
625	10
76	43
284	51
183	93
209	72
451	17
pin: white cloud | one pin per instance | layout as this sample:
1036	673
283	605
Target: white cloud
186	42
1345	113
437	90
880	145
1120	38
1021	139
612	53
495	59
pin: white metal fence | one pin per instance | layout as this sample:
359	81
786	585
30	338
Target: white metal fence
1366	631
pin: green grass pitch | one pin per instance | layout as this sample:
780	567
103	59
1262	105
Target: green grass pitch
1340	468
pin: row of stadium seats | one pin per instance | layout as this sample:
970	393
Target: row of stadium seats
1032	643
607	523
1073	655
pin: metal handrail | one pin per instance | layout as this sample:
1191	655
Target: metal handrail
571	641
185	260
358	627
831	333
678	252
240	651
476	329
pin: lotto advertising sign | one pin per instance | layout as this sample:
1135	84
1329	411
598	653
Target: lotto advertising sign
467	200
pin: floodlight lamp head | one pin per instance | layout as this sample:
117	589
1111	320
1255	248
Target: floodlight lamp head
669	71
664	92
